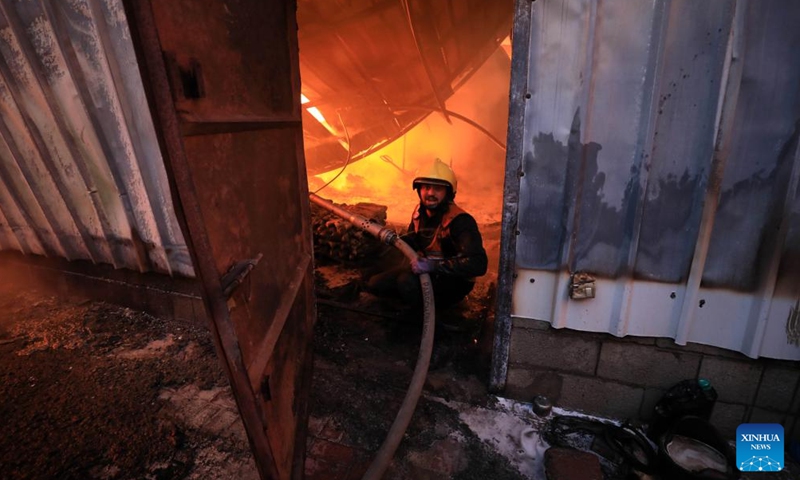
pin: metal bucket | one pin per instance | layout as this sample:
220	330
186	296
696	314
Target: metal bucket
692	449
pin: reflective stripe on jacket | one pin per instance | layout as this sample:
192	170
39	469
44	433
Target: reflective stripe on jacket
434	248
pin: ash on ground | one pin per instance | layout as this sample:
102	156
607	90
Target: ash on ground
96	391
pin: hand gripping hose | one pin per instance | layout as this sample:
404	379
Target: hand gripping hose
403	418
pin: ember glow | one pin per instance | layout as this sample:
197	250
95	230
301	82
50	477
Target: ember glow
314	111
385	176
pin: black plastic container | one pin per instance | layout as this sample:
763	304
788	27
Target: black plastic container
692	397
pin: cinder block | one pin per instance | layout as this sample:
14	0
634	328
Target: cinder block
632	339
553	350
760	415
647	366
518	383
793	433
530	324
183	309
548	384
71	285
670	344
200	314
23	276
726	417
63	286
100	289
601	397
47	282
734	381
158	303
524	384
667	343
788	424
651	397
777	388
136	297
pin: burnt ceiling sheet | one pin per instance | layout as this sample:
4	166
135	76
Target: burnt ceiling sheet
374	68
81	174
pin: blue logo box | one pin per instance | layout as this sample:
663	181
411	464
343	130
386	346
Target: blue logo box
759	447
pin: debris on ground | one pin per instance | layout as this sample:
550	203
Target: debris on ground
569	464
91	390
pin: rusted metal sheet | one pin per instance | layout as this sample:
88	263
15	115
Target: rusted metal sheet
660	155
226	74
80	170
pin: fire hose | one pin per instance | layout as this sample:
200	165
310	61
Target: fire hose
403	418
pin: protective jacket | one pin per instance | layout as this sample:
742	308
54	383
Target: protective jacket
450	237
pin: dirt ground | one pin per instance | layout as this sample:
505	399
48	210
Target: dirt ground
364	359
95	391
90	390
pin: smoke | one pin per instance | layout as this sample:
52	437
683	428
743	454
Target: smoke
385	177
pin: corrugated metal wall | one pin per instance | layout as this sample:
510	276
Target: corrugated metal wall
81	173
661	155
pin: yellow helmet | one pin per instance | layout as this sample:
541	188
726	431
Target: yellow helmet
438	173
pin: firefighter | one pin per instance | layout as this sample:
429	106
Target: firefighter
447	239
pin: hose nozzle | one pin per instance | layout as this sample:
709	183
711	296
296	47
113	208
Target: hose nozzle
387	236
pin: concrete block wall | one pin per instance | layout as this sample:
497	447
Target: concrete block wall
174	298
624	377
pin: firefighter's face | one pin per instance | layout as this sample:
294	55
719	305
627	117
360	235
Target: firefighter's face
432	195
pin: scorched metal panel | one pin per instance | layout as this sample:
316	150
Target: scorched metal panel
80	168
659	155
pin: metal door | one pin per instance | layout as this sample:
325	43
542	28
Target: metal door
223	82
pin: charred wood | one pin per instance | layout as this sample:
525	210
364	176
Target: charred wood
337	240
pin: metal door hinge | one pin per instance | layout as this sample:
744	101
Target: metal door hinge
237	273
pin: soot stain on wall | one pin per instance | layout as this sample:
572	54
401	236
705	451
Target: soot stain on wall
565	223
754	208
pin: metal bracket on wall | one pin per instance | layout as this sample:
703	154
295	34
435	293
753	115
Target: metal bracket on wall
237	273
582	286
